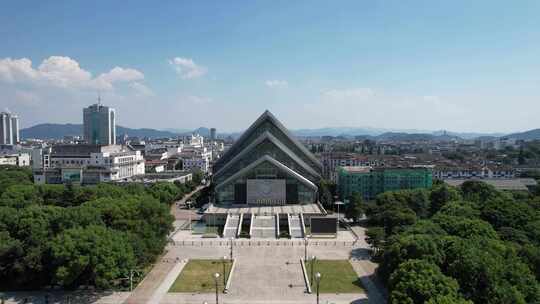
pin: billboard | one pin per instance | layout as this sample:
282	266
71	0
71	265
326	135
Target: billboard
323	225
266	191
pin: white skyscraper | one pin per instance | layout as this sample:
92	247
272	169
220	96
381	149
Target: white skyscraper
9	129
15	129
99	125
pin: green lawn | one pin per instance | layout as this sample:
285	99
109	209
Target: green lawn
337	276
197	276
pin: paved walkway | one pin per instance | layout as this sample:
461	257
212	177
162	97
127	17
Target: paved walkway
144	293
269	272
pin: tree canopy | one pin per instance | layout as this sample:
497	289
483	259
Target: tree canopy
69	235
472	244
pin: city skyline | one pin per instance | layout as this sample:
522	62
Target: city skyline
451	66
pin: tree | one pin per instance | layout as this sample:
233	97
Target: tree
419	281
406	247
355	208
12	175
460	208
164	192
197	177
325	195
465	227
375	237
489	272
393	218
441	195
19	196
92	255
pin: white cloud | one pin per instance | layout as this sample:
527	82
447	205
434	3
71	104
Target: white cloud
27	98
276	83
187	68
354	93
63	72
198	99
119	74
140	89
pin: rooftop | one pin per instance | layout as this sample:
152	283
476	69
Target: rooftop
357	169
243	208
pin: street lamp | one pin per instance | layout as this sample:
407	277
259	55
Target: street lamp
216	278
338	203
231	248
318	276
131	273
224	275
305	249
313	259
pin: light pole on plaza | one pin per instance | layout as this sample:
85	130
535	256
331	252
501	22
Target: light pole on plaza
338	203
313	259
224	275
231	248
216	279
305	249
318	276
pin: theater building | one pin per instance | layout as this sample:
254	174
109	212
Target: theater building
265	185
267	166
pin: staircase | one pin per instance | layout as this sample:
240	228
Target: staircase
295	228
231	226
263	226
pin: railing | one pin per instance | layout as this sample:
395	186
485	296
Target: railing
260	243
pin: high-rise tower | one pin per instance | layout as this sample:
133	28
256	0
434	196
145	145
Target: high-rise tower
9	129
99	124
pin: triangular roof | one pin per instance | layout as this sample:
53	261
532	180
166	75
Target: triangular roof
267	158
266	116
267	136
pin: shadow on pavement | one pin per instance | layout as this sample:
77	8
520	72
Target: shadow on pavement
53	297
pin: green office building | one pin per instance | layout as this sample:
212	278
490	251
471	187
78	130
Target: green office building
370	182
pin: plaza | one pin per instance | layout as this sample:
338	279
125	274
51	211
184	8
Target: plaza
266	271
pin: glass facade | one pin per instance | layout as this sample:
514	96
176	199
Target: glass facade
297	192
375	181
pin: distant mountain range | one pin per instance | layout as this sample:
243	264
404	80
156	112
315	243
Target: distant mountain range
58	131
527	135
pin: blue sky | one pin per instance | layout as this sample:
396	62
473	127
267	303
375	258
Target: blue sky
457	65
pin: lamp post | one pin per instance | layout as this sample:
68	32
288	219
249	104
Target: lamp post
305	249
231	248
189	212
131	273
313	259
224	275
338	203
318	276
216	278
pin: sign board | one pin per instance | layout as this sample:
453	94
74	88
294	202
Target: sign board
323	225
266	191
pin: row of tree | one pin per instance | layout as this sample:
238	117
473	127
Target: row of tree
68	236
471	244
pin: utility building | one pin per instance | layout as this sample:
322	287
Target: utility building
369	181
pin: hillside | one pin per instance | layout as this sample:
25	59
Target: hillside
58	131
527	135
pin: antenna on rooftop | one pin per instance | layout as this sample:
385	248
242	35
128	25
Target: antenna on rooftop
99	98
